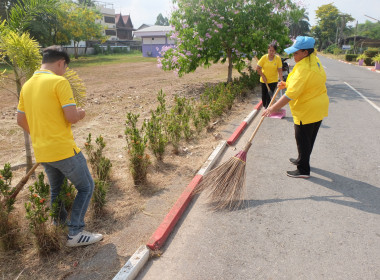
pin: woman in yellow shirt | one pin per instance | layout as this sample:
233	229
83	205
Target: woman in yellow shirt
307	97
269	68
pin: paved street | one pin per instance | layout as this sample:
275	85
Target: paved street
325	227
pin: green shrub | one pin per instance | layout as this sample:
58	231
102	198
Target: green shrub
65	199
331	48
351	57
38	212
370	53
101	167
136	143
8	225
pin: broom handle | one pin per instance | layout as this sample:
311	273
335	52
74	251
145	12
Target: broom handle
268	87
248	145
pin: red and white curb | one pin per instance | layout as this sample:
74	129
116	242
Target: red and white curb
132	267
244	124
368	68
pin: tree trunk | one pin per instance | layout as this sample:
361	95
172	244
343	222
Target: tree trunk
230	65
28	151
76	50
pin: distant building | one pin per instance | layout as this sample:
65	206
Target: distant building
108	20
153	38
142	26
124	27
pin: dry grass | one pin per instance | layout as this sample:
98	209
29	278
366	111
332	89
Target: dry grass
131	214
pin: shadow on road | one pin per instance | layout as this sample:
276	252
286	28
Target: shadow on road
366	196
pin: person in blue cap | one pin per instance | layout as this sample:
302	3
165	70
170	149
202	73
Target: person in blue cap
306	94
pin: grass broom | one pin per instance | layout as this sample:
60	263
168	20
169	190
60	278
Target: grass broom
226	183
79	92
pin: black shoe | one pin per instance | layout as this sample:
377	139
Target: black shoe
297	174
293	160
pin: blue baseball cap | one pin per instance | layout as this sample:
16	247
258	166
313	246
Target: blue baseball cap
301	43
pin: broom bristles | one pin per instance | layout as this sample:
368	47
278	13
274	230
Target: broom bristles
226	183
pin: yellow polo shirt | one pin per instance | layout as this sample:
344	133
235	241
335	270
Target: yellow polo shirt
270	68
41	99
306	87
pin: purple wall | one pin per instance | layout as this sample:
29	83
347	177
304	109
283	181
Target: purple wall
152	49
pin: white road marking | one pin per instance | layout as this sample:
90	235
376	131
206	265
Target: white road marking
365	98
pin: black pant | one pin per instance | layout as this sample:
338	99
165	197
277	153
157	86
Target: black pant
265	96
305	137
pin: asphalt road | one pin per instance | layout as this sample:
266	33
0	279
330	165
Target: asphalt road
325	227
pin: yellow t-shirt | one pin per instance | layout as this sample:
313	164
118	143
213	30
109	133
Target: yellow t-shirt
41	99
306	87
270	68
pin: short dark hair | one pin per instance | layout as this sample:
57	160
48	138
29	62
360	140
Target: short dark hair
273	45
309	51
55	53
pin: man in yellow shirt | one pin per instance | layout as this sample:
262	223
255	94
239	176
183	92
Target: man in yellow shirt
46	111
307	97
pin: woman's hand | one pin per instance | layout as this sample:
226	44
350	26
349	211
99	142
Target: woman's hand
281	85
267	112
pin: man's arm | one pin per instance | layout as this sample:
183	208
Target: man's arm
73	114
22	121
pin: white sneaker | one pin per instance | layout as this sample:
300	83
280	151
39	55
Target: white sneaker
83	238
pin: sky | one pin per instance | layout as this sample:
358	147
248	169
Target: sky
146	11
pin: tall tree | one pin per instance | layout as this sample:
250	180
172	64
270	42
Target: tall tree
79	24
161	20
5	7
332	23
40	18
21	53
87	3
369	29
208	31
298	21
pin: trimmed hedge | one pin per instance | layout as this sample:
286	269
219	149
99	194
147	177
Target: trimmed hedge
351	57
370	53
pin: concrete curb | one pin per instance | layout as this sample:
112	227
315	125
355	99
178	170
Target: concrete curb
371	68
133	266
243	125
158	238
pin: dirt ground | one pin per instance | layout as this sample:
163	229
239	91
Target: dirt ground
131	216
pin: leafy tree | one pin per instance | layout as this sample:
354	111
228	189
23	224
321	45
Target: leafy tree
208	31
369	29
298	21
87	3
80	24
21	53
318	36
161	20
40	18
332	23
5	6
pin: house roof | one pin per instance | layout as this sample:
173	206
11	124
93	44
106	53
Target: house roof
155	30
122	21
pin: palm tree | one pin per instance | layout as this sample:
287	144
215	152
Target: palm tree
298	22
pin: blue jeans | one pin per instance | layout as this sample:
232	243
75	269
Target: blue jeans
76	171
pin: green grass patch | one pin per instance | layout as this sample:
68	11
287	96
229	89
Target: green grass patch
102	59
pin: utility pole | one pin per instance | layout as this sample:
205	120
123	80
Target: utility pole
378	20
356	32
